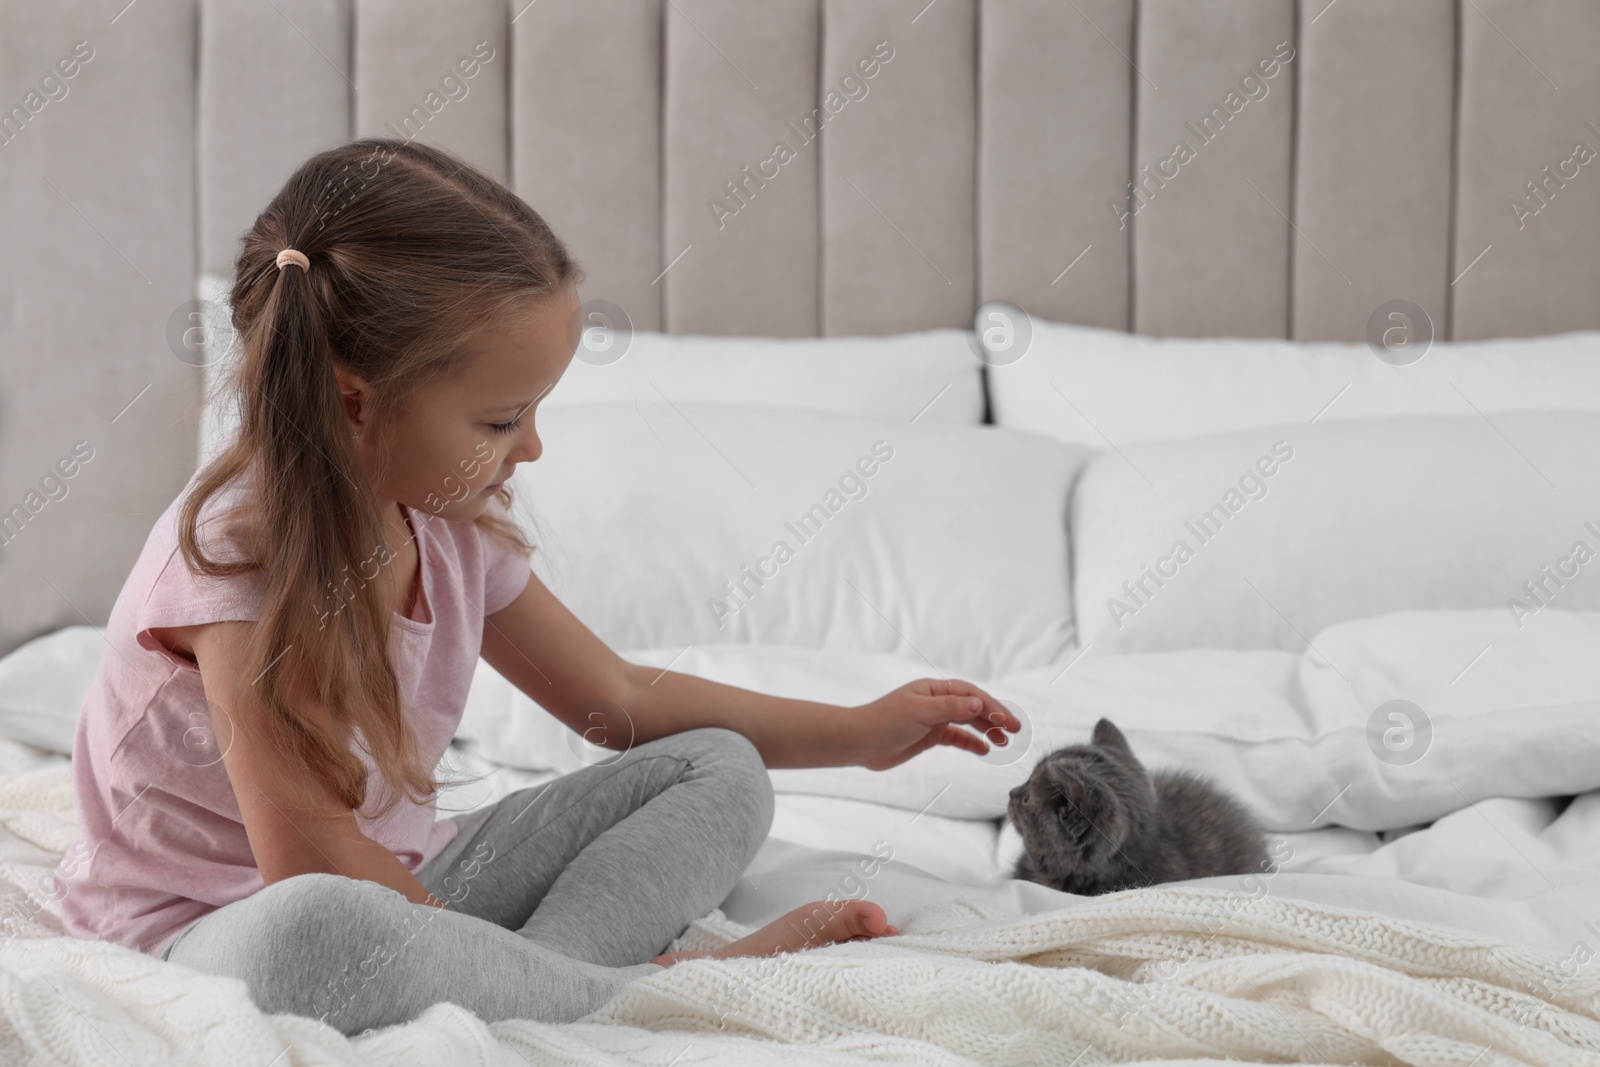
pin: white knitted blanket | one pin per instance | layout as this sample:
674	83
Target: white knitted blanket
1176	975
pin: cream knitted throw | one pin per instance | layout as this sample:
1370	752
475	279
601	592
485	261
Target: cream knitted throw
1162	973
1177	975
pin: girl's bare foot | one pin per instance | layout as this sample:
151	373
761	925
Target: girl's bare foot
819	923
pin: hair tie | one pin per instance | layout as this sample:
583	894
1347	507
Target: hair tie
290	255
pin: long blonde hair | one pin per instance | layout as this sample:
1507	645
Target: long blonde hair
412	251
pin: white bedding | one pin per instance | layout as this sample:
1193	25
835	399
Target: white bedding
1526	869
1000	973
1495	711
1352	940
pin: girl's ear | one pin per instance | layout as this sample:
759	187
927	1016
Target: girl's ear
353	389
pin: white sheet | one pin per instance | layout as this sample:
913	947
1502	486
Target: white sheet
79	1000
1526	870
1502	867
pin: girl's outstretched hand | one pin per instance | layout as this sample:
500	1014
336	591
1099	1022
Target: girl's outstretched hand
924	713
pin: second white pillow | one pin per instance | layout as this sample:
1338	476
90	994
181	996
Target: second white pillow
1260	538
697	524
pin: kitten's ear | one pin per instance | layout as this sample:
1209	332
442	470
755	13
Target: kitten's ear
1066	787
1109	735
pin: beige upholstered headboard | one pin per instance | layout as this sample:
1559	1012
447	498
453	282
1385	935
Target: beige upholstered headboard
777	167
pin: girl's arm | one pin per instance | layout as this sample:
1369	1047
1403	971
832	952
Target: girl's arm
548	653
325	839
799	733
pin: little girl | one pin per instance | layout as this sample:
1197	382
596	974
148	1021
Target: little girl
290	657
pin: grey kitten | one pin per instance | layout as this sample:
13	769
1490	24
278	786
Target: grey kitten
1095	821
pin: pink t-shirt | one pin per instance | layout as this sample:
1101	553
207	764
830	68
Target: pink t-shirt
162	841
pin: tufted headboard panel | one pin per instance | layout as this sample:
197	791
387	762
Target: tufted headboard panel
776	167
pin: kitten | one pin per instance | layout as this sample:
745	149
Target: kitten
1093	820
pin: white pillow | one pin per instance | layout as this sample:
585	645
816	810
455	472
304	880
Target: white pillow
1108	388
932	375
1364	517
694	524
43	684
1441	704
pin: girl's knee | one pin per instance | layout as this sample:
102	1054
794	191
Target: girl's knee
740	762
318	940
312	900
725	745
730	762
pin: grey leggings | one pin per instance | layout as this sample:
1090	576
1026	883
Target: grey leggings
557	895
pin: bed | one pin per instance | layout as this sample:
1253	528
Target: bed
1360	384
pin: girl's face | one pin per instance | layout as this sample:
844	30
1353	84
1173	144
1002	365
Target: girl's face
458	439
